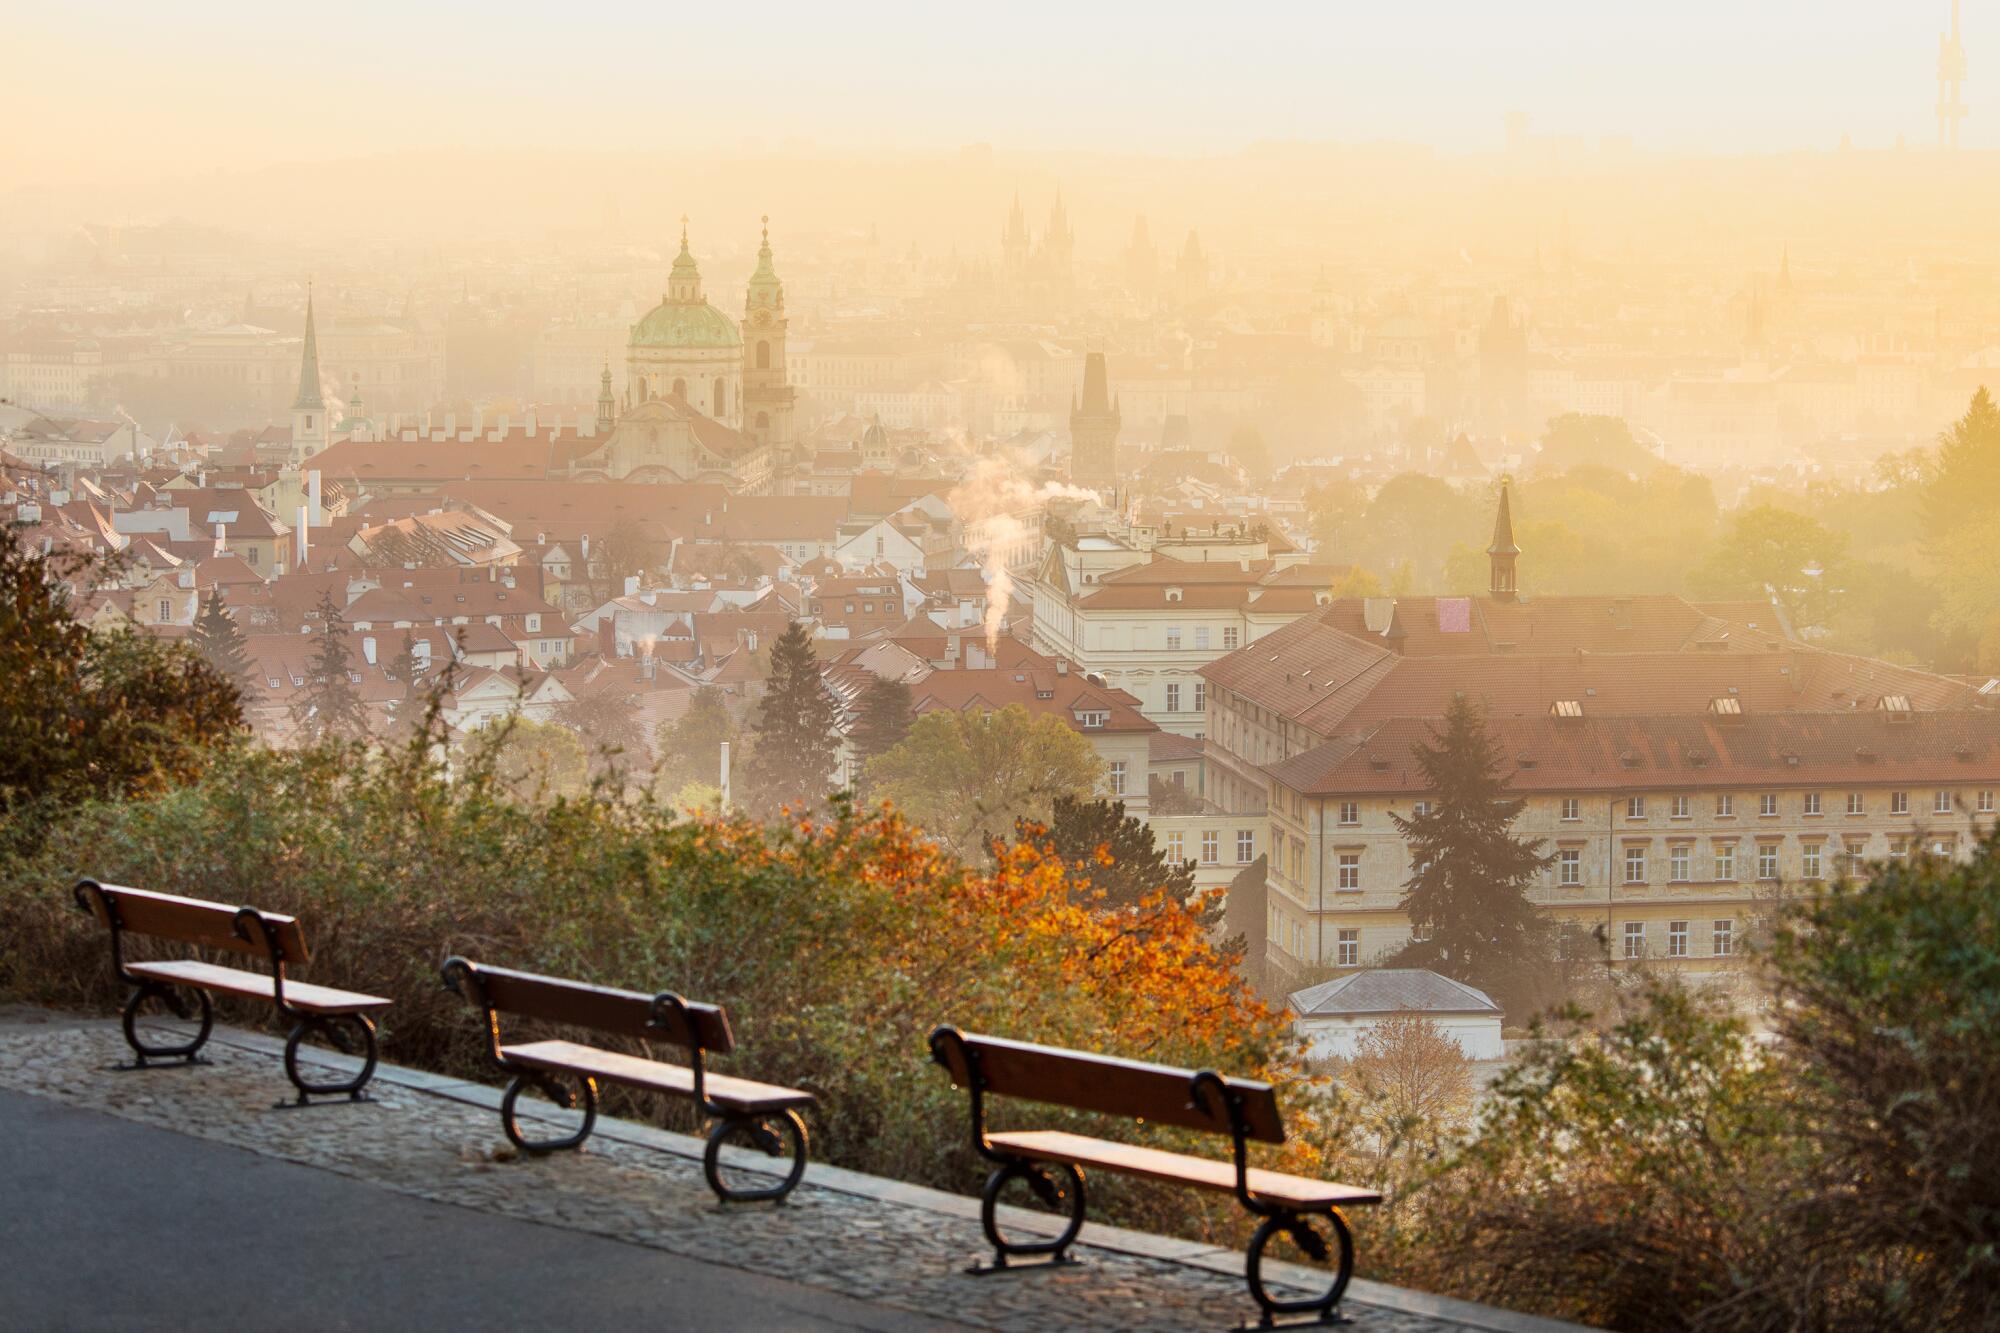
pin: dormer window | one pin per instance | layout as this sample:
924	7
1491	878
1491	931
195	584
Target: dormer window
1173	594
1092	718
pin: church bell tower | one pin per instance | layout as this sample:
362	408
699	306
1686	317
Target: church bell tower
767	391
309	407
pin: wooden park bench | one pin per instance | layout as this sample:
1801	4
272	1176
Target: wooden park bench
338	1017
757	1116
1052	1162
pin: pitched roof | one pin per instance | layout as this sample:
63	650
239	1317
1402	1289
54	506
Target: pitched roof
1390	990
1623	754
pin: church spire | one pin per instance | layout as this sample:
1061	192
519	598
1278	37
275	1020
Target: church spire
684	282
1503	553
607	406
765	290
309	394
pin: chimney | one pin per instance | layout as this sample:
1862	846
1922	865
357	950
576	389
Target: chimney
584	546
313	499
646	660
1062	666
368	649
185	578
222	539
631	585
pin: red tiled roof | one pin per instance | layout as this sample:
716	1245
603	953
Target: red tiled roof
1039	691
1624	754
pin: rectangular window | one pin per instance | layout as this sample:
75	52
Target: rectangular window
1899	803
1229	636
1201	636
1986	802
1857	858
1680	808
1635	939
1350	948
1725	806
1812	802
1855	805
1635	865
1349	872
1350	813
1941	803
1679	857
1211	847
1173	638
1767	860
1421	808
1298	862
1200	695
1569	866
1570	808
1725	860
1677	939
1176	847
1724	937
1898	848
1767	805
1173	697
166	610
1809	861
1635	807
1246	844
1118	777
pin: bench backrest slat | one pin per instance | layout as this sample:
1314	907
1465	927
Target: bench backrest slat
192	921
1109	1085
628	1013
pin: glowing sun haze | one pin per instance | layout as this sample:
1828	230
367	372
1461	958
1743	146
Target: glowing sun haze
154	89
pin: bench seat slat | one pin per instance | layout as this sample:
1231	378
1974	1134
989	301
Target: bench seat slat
257	986
733	1094
1155	1164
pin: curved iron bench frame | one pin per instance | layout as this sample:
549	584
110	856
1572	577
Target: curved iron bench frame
1208	1091
670	1012
254	929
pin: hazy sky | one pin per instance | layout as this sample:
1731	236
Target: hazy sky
108	89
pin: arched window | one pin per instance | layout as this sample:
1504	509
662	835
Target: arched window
680	388
721	397
763	356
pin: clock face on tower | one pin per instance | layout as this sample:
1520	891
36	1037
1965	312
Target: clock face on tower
760	318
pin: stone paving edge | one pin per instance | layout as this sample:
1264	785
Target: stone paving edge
1096	1235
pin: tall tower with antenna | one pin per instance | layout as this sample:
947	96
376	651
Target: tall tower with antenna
1951	79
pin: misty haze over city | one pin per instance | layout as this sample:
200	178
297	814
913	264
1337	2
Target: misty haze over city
1408	597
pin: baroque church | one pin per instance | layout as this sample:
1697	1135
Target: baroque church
705	399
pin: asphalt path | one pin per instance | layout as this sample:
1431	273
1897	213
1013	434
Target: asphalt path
107	1224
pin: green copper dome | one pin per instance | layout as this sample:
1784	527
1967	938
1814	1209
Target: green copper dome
685	324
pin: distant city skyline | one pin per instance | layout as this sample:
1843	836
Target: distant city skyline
232	85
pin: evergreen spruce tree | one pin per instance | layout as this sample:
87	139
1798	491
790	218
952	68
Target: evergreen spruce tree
1137	867
793	743
330	707
1469	873
217	638
883	718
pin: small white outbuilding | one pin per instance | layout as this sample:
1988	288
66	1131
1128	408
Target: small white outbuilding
1333	1015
